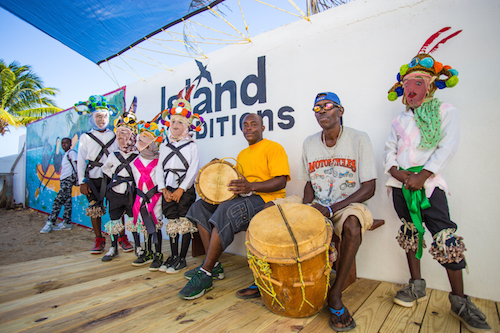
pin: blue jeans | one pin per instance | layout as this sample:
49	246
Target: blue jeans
228	217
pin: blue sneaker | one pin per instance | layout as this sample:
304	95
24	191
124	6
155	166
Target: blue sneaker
197	286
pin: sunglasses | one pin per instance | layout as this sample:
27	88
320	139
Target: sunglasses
326	107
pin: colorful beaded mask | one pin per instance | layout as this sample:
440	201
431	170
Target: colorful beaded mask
182	107
424	63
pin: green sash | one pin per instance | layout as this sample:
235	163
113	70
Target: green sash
416	201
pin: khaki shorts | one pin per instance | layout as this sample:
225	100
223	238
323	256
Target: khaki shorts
356	209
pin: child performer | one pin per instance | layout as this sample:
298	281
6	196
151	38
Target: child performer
176	174
93	149
422	141
147	205
121	190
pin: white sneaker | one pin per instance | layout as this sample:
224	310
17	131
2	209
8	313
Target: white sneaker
110	255
63	226
47	228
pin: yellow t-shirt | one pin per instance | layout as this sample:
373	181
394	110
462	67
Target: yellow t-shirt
263	161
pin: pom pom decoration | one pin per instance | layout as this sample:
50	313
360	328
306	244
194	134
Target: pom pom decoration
454	72
452	81
96	103
403	70
399	91
440	84
392	96
427	62
438	67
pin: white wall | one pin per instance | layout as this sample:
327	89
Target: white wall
356	50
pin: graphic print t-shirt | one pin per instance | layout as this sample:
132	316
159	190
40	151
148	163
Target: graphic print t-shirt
337	172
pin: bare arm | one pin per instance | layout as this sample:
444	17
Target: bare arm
241	186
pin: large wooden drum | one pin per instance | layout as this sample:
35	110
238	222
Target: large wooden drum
211	182
288	254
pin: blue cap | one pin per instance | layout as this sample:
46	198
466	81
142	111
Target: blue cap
327	95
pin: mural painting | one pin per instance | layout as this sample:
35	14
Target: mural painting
44	156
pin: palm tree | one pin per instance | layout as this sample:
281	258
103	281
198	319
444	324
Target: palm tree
23	98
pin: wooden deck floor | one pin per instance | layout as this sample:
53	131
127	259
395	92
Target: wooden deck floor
79	293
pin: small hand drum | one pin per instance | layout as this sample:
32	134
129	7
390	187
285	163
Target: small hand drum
211	182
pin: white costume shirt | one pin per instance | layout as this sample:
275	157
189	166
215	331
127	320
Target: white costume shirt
137	175
109	168
401	148
66	168
192	156
88	150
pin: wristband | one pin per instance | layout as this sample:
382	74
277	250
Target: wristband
330	210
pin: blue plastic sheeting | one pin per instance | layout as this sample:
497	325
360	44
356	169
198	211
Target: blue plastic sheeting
100	29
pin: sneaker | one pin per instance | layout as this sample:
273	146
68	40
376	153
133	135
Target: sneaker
411	294
468	313
99	245
178	266
169	262
157	260
63	226
47	227
112	253
144	257
197	286
217	272
125	244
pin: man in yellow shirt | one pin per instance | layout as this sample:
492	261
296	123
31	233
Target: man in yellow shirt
264	167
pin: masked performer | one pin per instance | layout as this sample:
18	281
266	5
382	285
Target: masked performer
422	141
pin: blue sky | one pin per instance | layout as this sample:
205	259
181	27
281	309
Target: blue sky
77	77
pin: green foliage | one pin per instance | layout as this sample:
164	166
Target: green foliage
23	97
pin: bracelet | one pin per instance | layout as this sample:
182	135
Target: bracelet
330	210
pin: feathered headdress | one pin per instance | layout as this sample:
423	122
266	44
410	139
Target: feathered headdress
182	107
96	103
423	62
128	119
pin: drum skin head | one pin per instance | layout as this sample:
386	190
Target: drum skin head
212	180
269	235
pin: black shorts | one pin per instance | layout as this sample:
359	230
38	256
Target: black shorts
99	185
174	210
118	204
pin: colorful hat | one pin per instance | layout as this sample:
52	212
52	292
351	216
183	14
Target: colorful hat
424	63
128	119
96	103
182	107
152	127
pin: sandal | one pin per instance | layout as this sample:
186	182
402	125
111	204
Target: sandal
253	288
339	313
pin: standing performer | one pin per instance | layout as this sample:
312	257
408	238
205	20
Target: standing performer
121	190
63	197
177	170
147	206
422	141
93	149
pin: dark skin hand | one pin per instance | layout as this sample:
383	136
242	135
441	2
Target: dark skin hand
85	189
411	181
365	192
242	186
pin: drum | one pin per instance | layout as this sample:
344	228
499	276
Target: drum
211	182
288	254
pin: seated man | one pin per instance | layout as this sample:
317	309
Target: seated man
264	168
339	168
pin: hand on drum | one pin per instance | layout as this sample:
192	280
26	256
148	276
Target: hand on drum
240	186
176	196
322	209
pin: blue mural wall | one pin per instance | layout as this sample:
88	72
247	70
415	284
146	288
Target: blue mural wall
44	157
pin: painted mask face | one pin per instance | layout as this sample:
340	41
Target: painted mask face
177	126
101	119
143	140
415	89
123	135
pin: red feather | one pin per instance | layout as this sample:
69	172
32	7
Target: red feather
431	39
179	95
444	41
188	92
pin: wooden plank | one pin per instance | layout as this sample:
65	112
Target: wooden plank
353	297
255	321
405	320
284	324
437	316
371	315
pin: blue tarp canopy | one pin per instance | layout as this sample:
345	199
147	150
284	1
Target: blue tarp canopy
102	29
